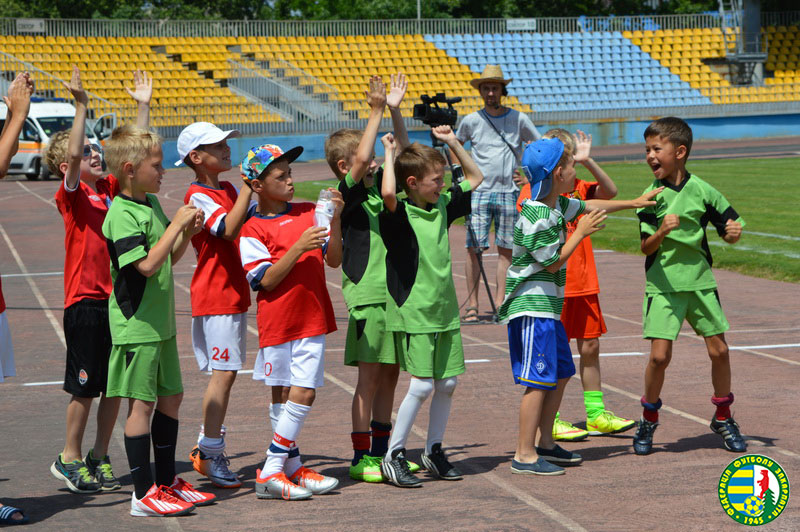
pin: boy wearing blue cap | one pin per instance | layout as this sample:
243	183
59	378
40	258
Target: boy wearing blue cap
538	346
282	252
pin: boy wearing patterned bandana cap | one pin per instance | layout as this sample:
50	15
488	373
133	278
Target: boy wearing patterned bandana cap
282	253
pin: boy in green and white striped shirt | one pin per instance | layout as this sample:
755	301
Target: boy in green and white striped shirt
540	356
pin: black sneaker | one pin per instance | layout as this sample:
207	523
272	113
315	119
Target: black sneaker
643	440
437	465
731	437
102	472
76	475
559	455
395	470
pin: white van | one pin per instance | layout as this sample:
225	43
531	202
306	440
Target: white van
44	119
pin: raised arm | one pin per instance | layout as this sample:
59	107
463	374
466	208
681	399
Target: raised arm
471	171
333	255
376	99
18	102
142	92
78	131
389	183
395	97
587	225
185	218
182	242
606	189
645	200
235	219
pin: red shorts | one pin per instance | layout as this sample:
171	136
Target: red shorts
582	317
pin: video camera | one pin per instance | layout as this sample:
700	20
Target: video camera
432	115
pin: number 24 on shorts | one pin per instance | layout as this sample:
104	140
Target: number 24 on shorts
220	355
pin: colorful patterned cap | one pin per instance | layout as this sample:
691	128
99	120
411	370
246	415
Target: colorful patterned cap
257	159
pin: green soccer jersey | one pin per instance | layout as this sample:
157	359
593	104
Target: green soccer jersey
419	277
539	235
683	260
363	252
141	309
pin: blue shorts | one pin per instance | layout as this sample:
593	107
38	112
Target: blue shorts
539	351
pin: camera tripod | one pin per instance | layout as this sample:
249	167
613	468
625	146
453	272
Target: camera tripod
468	223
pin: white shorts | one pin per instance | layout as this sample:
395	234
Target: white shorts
295	363
219	341
7	368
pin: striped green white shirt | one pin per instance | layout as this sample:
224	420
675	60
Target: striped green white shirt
539	234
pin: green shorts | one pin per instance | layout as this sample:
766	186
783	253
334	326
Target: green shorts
367	337
144	371
663	314
431	355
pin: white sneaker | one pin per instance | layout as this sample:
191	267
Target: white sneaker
157	502
277	486
311	480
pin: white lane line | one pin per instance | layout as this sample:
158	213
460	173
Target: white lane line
35	289
29	191
621	354
476	360
47	383
767	346
43	274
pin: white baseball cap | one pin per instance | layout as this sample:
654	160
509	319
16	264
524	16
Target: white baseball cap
199	134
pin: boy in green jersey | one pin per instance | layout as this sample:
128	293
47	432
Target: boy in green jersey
421	307
680	284
350	154
143	365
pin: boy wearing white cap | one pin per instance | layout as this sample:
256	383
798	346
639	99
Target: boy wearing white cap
540	355
219	291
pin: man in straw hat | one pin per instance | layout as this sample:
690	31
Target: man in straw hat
498	135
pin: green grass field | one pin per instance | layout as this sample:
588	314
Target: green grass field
770	244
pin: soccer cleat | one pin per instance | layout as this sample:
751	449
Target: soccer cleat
368	469
277	486
539	467
437	465
608	423
413	466
643	440
395	470
559	455
215	468
565	431
159	502
102	473
186	492
731	437
76	475
313	481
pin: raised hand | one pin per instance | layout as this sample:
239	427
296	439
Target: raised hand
75	86
376	95
646	200
591	222
388	142
142	87
19	94
337	200
397	90
444	133
583	145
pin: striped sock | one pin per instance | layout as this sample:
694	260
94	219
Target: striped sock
288	428
380	437
293	462
277	455
360	445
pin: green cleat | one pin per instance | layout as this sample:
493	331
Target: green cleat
608	423
368	469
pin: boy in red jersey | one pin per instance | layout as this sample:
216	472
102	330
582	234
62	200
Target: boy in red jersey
282	253
219	292
83	199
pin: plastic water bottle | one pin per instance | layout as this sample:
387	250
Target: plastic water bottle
324	211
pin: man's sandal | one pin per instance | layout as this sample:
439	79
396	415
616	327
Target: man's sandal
470	315
6	513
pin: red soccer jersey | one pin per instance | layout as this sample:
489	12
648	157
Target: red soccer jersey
219	285
299	307
87	270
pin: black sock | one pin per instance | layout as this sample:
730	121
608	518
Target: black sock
138	450
165	436
380	437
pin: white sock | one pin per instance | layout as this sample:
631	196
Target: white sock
293	463
418	391
440	410
286	432
275	411
211	446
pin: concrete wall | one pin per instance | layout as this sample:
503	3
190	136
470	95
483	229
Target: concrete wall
603	134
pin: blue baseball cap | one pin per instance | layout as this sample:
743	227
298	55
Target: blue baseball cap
538	161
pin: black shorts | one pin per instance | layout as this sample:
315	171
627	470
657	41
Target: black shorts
88	347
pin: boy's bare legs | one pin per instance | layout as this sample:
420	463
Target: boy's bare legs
530	415
472	272
503	262
77	417
365	395
215	401
550	404
106	418
660	356
589	350
720	364
384	396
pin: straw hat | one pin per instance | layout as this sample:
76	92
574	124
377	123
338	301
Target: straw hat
490	73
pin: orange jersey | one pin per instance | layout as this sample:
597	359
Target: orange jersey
581	269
